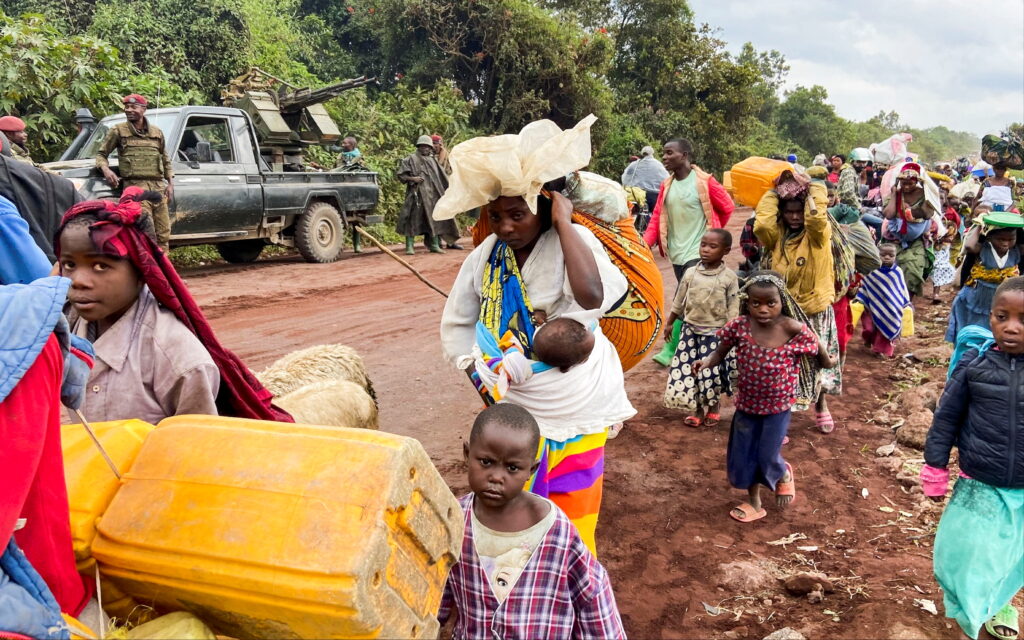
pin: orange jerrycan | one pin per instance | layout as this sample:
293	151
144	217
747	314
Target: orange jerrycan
273	530
91	483
753	177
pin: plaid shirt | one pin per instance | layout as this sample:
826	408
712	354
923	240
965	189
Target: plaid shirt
562	593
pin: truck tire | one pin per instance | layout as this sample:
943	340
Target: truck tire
241	251
320	233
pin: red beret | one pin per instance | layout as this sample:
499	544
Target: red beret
135	99
436	138
11	123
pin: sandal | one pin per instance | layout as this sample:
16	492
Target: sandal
1006	618
787	488
615	430
691	421
823	420
712	419
785	440
750	514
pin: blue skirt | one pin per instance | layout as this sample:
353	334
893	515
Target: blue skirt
754	455
972	305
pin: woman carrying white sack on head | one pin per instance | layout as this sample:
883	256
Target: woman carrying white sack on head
538	265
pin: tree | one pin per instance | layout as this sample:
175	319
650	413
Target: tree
808	120
46	76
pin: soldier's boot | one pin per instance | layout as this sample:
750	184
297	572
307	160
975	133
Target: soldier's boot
357	241
665	357
410	246
435	245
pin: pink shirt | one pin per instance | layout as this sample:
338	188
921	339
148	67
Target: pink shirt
768	378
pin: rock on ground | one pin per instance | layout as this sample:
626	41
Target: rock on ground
744	577
801	584
915	430
785	633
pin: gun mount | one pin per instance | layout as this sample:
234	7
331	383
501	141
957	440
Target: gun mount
288	118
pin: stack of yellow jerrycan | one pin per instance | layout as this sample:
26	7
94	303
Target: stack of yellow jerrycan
92	485
272	530
752	178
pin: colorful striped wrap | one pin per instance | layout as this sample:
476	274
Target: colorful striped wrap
571	474
633	325
884	293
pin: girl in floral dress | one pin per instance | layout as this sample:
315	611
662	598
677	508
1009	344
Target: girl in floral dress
770	338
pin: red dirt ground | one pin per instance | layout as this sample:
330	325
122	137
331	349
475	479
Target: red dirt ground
664	530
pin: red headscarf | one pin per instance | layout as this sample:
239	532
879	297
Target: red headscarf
117	232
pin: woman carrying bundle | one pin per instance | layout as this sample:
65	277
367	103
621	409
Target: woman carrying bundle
793	224
537	262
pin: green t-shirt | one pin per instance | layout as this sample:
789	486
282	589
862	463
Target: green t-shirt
686	222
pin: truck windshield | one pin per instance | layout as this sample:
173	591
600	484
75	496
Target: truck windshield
163	121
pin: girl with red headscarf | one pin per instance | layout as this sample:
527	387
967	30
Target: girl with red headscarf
156	355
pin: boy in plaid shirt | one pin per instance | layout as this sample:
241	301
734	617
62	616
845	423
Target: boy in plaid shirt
524	572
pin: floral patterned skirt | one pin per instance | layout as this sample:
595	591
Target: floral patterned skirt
686	392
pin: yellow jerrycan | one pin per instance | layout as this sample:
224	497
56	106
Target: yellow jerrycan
752	178
274	530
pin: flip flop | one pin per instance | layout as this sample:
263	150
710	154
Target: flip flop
1007	618
787	488
749	513
785	440
691	421
823	420
712	419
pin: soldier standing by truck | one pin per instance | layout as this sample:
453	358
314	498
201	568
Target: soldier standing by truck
142	161
425	182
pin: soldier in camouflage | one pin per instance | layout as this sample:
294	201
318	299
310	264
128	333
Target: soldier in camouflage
142	161
14	128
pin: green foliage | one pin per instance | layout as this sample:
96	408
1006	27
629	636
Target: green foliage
201	44
387	128
812	123
46	76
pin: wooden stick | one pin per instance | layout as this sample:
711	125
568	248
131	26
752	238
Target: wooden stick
96	441
402	262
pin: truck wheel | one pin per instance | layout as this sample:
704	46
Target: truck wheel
241	251
319	233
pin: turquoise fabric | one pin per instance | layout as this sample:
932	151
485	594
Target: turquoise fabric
970	337
979	552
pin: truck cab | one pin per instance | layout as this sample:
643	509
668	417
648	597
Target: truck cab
226	194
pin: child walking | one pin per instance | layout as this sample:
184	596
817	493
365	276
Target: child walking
979	545
708	296
994	256
524	571
884	295
771	338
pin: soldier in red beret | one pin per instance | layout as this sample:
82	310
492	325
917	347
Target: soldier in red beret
142	161
14	128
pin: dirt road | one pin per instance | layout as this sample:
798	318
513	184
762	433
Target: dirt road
664	533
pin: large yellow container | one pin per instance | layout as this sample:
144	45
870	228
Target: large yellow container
91	482
270	530
753	177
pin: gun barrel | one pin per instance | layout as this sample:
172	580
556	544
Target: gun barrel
298	100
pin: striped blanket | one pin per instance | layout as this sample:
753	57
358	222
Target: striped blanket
884	293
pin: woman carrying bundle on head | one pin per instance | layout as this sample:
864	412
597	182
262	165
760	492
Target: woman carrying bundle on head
538	265
797	233
156	355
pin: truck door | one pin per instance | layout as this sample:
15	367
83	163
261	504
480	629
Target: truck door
211	194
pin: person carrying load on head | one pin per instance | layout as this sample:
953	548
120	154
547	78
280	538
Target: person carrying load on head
536	262
141	162
647	173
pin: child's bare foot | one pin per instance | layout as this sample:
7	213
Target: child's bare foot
751	510
785	490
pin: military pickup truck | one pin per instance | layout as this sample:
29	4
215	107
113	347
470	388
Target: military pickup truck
240	177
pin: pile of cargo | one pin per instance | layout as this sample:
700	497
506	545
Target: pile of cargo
263	529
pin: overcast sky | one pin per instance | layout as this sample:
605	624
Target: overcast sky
938	62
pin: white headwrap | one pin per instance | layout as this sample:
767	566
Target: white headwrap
486	168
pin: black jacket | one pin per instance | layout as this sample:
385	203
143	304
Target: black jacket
981	412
